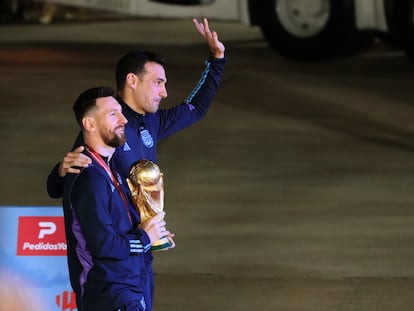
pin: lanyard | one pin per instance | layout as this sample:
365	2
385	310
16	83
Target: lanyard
98	158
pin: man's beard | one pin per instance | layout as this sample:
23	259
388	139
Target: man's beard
115	140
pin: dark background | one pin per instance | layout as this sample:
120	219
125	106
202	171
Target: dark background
294	193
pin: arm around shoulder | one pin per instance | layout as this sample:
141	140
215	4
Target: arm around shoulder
54	184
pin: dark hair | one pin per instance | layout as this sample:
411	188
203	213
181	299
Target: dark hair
134	62
87	100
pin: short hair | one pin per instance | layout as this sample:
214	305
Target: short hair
134	62
87	100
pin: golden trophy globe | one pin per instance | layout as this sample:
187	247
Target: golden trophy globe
146	183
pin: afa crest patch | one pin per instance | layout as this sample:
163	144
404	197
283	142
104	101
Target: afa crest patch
146	138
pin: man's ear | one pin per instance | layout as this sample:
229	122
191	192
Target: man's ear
131	80
88	123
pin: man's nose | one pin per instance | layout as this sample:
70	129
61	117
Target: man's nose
122	119
164	92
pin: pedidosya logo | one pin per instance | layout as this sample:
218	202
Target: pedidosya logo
41	236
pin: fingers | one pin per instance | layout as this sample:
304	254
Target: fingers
79	149
160	216
74	160
206	27
155	227
198	26
215	37
217	48
202	27
156	231
159	228
72	170
148	223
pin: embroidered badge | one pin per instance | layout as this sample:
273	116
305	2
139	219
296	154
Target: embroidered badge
146	137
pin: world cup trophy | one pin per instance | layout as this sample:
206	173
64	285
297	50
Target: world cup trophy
146	183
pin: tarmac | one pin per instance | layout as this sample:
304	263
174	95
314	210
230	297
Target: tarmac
293	194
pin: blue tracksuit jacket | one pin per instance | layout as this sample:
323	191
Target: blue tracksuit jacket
107	266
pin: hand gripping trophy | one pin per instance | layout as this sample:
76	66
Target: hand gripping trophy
146	183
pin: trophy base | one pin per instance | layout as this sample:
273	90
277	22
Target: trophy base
161	245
